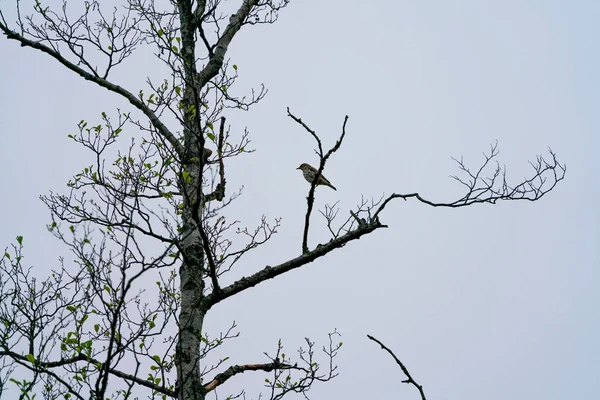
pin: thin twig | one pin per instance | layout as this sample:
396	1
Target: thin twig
410	379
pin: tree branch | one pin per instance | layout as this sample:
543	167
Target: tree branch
488	190
531	189
43	367
162	129
220	49
271	272
238	369
219	192
410	380
322	160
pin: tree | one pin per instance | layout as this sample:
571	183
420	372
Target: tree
156	213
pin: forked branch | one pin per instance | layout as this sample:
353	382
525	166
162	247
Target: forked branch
494	188
481	189
323	157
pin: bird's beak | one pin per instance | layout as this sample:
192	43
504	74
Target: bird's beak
298	168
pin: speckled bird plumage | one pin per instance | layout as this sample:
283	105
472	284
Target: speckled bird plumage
309	174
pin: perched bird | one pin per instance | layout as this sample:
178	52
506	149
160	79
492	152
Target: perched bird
207	153
310	173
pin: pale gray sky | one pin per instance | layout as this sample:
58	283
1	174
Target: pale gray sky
486	302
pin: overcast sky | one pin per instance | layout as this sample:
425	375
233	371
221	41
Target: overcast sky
486	302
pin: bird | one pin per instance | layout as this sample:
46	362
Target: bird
207	153
310	173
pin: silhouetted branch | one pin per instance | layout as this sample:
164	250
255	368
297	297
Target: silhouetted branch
409	379
271	272
322	160
494	188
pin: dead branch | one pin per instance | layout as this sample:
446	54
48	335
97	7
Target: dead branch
238	369
322	160
494	188
409	379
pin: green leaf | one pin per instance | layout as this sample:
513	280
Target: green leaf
30	358
97	327
178	90
186	176
156	358
235	67
110	48
20	239
211	136
175	49
160	33
210	125
191	111
7	255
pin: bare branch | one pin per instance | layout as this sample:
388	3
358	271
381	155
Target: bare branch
156	122
238	369
322	160
410	380
492	189
271	272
